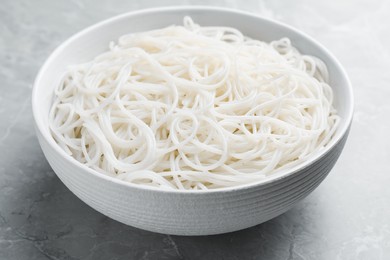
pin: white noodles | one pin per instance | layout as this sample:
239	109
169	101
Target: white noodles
190	107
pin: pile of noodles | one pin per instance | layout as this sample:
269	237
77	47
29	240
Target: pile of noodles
191	107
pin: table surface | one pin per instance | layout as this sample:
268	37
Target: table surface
347	217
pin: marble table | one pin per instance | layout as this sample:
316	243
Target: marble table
347	217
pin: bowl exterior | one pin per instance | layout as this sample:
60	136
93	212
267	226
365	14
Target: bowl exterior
192	213
181	213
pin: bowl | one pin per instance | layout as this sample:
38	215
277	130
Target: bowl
187	212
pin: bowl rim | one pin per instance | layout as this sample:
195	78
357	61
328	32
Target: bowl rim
39	128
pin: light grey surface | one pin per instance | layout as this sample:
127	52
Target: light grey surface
347	217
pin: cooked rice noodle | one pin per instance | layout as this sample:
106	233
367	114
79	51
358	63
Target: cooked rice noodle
194	108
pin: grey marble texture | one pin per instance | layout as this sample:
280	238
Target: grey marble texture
347	217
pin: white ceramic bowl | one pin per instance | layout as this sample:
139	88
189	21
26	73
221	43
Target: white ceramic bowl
187	212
